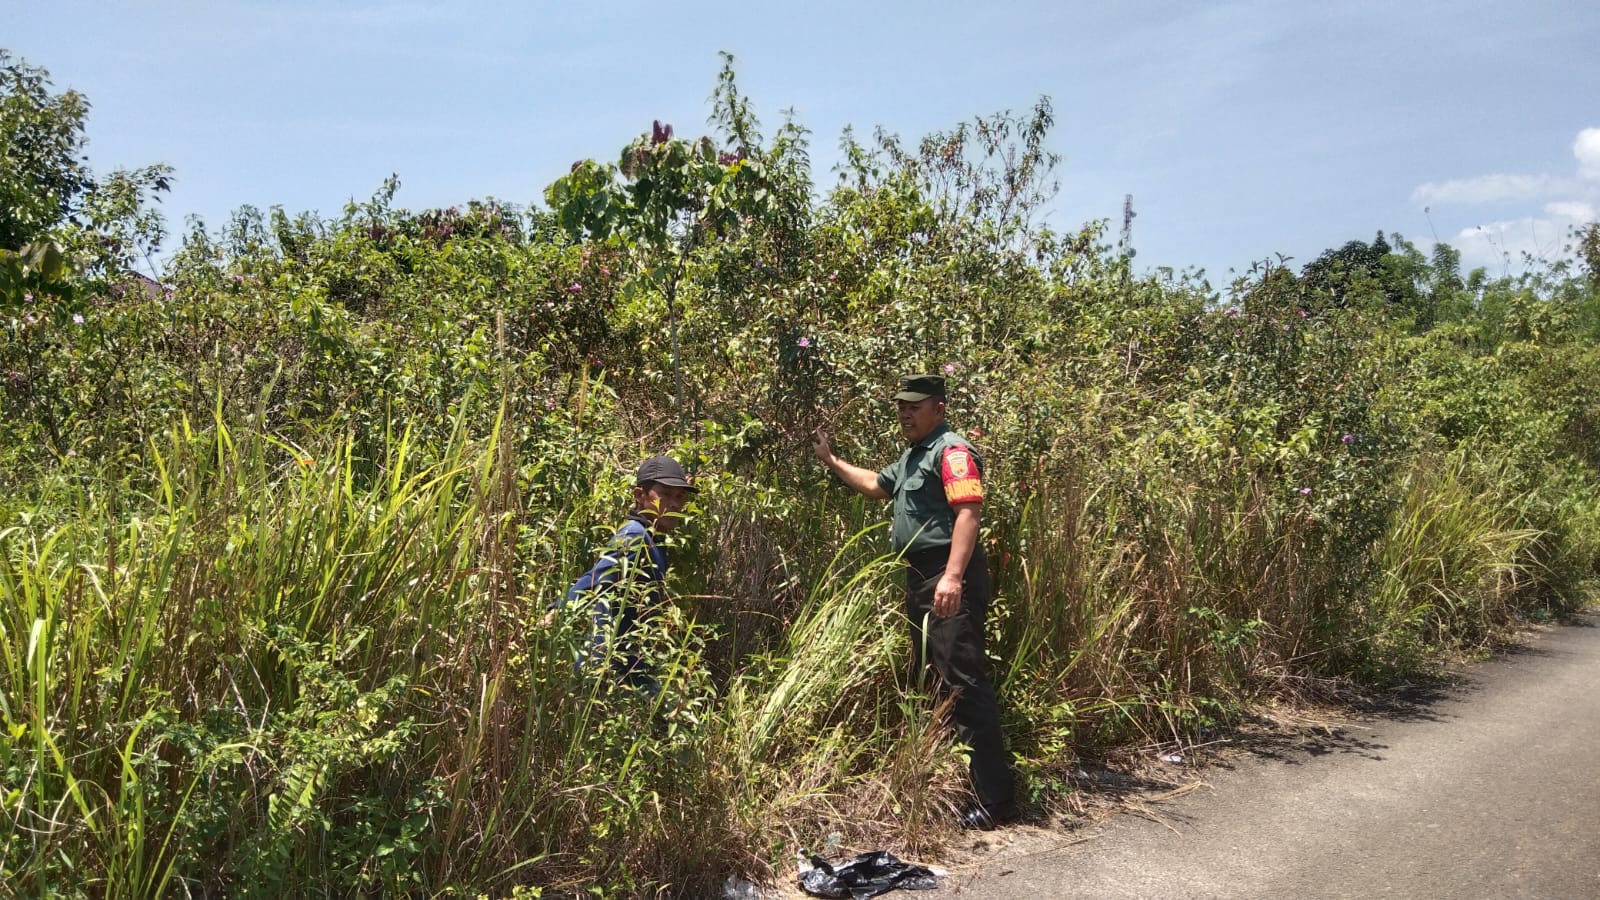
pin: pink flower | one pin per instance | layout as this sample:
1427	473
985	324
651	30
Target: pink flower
77	318
574	288
804	342
1305	490
949	368
1349	439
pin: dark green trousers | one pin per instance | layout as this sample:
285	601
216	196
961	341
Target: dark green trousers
953	649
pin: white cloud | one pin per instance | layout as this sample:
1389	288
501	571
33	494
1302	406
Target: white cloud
1574	210
1505	187
1486	189
1502	247
1587	149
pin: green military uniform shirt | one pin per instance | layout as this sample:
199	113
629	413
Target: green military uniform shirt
923	517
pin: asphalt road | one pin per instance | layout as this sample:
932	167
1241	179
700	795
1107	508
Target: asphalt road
1489	790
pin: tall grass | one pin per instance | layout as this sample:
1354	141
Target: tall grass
258	635
279	670
1152	626
1146	628
300	673
1456	562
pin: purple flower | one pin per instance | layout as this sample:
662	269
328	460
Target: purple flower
804	342
949	368
574	288
1349	439
1305	490
77	318
237	279
27	298
29	318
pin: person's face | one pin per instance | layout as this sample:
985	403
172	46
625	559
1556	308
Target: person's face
919	419
662	502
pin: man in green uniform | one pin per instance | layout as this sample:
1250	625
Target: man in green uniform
937	489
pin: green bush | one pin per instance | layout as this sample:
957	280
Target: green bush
280	536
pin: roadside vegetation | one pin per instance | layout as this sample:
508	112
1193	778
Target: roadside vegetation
281	531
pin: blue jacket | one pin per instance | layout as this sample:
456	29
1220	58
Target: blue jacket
632	558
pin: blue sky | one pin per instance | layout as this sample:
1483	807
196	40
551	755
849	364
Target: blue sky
1242	129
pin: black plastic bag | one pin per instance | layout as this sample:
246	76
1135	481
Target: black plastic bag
868	875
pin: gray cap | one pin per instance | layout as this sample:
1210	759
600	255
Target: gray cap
663	470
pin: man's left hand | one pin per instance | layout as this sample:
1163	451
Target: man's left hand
947	596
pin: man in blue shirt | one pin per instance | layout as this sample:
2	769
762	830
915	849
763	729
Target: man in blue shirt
627	586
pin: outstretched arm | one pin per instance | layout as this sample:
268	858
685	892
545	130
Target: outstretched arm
862	481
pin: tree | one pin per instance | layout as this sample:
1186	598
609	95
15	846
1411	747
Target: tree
667	196
1588	245
49	193
43	174
1374	276
1588	240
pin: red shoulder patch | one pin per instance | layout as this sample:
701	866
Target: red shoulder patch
963	483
